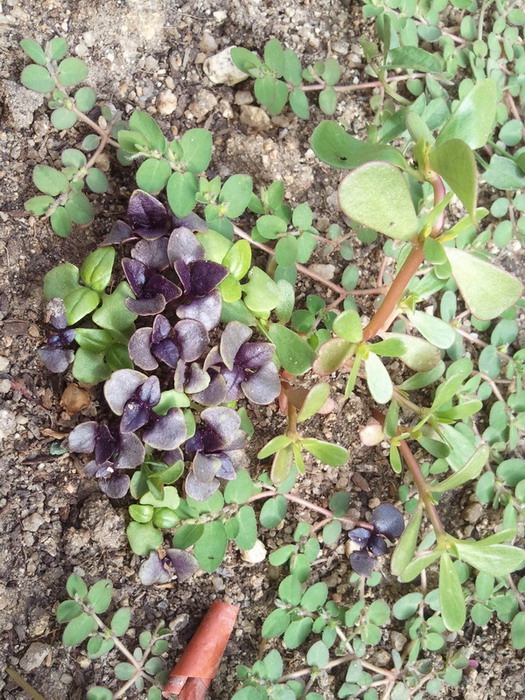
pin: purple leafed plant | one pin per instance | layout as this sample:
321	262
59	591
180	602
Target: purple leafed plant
185	341
201	301
161	570
247	368
388	522
56	353
113	452
133	396
152	290
218	446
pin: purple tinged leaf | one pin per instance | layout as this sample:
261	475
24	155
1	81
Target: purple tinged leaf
362	563
167	432
184	563
205	467
223	421
198	490
153	571
253	355
135	416
105	444
207	310
153	254
149	392
190	379
56	360
214	394
236	444
120	387
168	352
191	338
91	468
388	521
116	486
360	535
233	337
146	307
130	453
158	284
172	456
227	470
213	358
136	274
193	222
263	386
147	216
183	245
139	350
56	315
233	379
377	545
184	274
120	233
82	438
160	330
206	276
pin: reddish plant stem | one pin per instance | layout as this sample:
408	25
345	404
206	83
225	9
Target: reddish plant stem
362	86
419	480
269	492
341	291
383	316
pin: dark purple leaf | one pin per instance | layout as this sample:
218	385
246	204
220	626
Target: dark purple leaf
130	452
223	421
116	486
139	350
160	330
167	432
214	394
388	521
193	222
120	233
136	274
191	338
120	387
264	385
82	438
105	445
153	254
190	379
149	392
253	355
362	563
56	359
377	545
183	245
184	274
136	415
153	571
198	490
233	337
168	352
206	276
91	468
360	535
207	310
158	284
172	456
184	563
147	216
233	379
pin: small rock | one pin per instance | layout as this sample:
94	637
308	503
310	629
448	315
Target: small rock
33	522
19	104
203	104
327	272
208	43
221	70
473	513
243	97
255	117
7	424
341	47
398	640
34	656
5	386
254	555
167	102
4	363
220	15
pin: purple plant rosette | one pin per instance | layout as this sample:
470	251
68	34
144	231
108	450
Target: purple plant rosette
56	353
247	368
218	449
133	396
152	290
387	523
113	452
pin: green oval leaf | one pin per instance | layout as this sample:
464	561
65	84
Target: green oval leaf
37	78
451	596
474	118
293	352
71	71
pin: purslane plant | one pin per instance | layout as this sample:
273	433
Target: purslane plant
184	269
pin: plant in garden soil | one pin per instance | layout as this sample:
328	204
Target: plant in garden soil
211	333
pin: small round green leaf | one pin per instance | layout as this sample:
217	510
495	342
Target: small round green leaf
37	78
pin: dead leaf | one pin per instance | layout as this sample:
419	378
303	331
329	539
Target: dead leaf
49	432
74	399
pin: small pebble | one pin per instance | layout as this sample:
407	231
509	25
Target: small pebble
34	656
167	102
254	117
327	272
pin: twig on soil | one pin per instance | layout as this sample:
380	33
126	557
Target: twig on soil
24	684
362	86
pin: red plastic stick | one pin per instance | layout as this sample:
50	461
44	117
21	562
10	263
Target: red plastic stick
193	674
